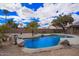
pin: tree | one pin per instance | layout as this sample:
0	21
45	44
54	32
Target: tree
3	28
15	37
5	12
62	21
3	36
11	24
33	26
15	25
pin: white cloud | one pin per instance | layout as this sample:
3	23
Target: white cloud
10	6
8	17
25	13
1	24
76	18
44	26
17	19
45	21
51	10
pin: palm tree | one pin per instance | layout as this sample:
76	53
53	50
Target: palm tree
15	25
5	12
3	36
11	24
62	21
33	26
3	28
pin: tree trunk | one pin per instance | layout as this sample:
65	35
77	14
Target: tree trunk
32	32
5	17
0	43
15	41
63	28
15	38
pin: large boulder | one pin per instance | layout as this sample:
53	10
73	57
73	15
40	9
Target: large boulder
65	43
21	44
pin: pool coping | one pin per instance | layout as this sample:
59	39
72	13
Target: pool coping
29	50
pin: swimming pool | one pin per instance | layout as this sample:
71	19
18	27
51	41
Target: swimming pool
42	41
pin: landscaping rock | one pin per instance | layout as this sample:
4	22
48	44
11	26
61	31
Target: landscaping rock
21	44
65	43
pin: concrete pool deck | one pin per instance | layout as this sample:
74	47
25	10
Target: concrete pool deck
29	50
14	50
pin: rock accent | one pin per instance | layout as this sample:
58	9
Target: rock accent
65	43
21	44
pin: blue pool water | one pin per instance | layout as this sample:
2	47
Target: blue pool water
41	42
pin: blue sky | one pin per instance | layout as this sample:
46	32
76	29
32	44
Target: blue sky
9	14
33	6
39	12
